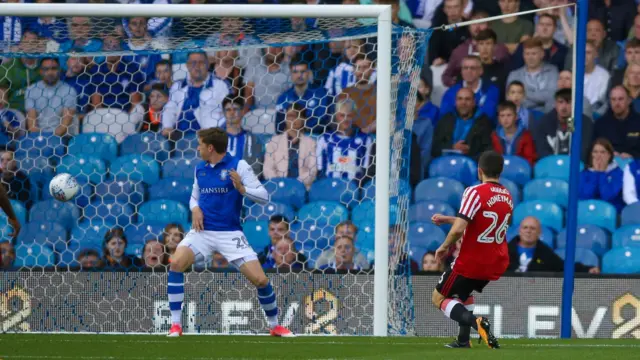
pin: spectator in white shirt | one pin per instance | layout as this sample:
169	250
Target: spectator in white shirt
596	80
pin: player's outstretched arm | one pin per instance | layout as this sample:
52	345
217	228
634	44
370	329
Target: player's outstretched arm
439	219
6	206
249	185
458	228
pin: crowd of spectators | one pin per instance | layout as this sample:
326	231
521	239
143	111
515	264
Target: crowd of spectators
505	85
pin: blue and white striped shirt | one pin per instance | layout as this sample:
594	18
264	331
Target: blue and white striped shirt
342	77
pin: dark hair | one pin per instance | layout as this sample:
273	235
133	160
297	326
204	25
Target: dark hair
235	100
115	232
479	14
163	258
276	219
430	252
54	59
298	59
564	94
491	164
216	137
516	83
487	34
553	18
299	108
206	57
161	88
169	227
88	252
507	105
164	62
632	44
362	56
606	144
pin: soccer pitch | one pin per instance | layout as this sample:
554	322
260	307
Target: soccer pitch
99	347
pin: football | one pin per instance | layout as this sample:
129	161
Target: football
63	187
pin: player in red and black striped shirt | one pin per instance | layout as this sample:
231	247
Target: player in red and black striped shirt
482	222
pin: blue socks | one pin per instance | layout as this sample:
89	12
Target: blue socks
267	298
175	290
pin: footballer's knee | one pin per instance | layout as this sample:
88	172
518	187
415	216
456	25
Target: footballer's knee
261	281
181	259
437	299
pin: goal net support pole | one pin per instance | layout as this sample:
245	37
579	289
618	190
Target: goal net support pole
383	104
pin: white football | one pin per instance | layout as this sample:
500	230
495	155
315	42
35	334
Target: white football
63	187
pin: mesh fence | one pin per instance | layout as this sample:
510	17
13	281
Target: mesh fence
117	103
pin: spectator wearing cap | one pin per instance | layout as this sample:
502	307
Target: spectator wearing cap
602	177
18	73
596	79
451	74
555	53
7	255
443	43
196	102
511	30
243	144
539	78
511	137
486	95
620	125
152	118
607	49
292	153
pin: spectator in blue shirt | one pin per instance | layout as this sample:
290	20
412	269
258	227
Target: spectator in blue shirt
157	26
141	40
10	29
342	76
80	39
314	99
486	94
118	84
79	78
602	180
48	27
10	119
426	108
516	94
242	143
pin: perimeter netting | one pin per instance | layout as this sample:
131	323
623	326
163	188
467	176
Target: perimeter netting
116	103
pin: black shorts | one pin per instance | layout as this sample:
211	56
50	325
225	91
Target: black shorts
454	285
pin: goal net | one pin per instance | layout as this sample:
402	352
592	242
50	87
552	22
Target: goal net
117	103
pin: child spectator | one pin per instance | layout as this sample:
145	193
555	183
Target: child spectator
153	255
516	94
89	259
115	243
511	137
172	236
602	179
158	98
278	229
430	263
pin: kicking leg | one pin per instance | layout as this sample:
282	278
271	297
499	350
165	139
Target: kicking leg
179	262
252	270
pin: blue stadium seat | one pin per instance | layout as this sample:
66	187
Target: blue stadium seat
176	189
82	199
426	235
136	168
121	192
18	209
597	212
67	254
257	212
363	212
65	213
517	170
588	237
31	255
628	235
548	189
424	210
457	167
313	235
83	167
257	233
44	233
139	234
34	145
151	144
546	234
416	253
163	211
622	260
90	233
40	169
366	237
103	146
548	213
179	168
287	191
443	189
369	189
341	191
110	212
584	256
187	147
553	166
327	212
630	215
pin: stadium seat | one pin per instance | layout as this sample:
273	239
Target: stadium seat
583	256
628	235
426	235
369	189
424	210
327	212
287	191
151	144
179	168
103	146
65	213
443	189
257	233
139	234
363	212
548	213
621	260
186	147
110	212
66	254
121	192
630	215
546	234
30	255
163	211
260	121
548	189
366	237
588	237
90	233
553	166
83	167
258	212
458	167
44	233
136	168
416	253
597	212
313	235
341	191
176	189
517	170
111	121
34	145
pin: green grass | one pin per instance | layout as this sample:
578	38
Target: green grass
139	347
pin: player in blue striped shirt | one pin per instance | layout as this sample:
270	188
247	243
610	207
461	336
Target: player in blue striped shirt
221	182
